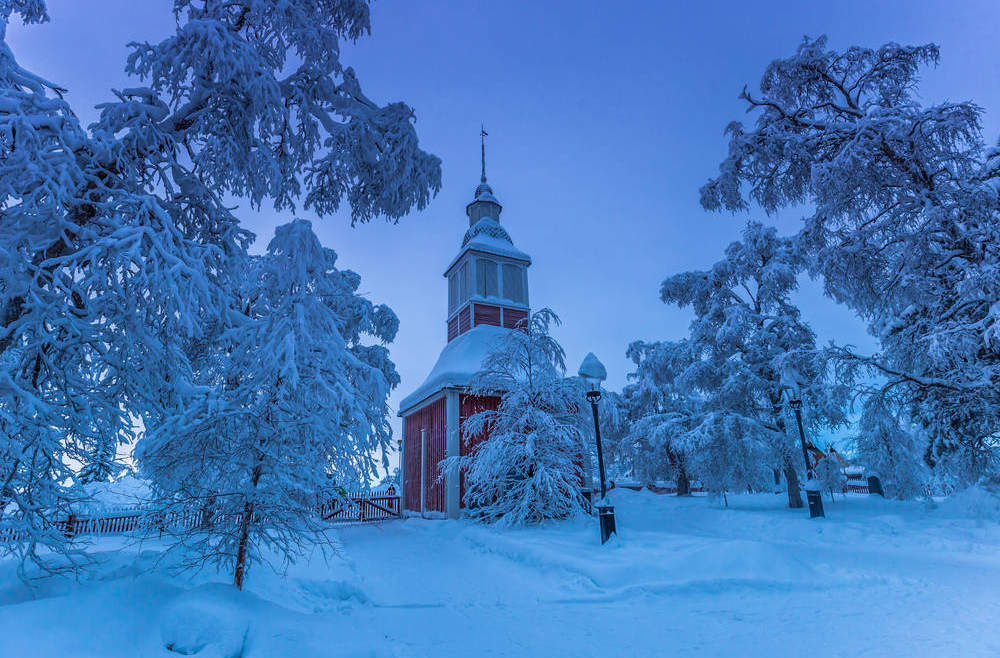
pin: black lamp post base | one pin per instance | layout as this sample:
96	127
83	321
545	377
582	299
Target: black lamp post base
606	514
815	504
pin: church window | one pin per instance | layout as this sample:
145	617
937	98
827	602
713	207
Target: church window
513	284
486	278
453	292
466	283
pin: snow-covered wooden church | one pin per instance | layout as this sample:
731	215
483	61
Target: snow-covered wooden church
487	296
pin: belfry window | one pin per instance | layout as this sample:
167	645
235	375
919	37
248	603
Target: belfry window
513	283
459	287
466	283
486	278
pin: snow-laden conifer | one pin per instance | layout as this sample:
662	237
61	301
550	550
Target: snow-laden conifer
296	405
530	468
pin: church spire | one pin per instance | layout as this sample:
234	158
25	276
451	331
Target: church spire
484	204
482	145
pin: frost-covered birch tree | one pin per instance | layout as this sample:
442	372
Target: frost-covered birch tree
748	344
94	270
904	202
299	399
529	468
117	252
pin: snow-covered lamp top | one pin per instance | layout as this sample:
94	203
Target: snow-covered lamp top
592	371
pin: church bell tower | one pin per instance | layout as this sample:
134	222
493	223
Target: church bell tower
487	298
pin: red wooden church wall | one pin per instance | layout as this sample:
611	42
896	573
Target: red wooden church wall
433	418
511	316
469	405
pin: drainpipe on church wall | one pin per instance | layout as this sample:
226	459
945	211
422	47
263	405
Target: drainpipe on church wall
423	471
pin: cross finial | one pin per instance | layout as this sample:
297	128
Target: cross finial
482	146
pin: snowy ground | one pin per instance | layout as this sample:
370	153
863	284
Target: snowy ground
686	577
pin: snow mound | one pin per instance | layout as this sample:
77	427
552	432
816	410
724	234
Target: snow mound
981	501
209	621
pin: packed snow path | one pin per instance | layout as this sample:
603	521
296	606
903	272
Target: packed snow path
686	577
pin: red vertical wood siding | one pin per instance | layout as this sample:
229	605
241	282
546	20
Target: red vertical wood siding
452	328
486	314
511	316
433	418
469	405
464	320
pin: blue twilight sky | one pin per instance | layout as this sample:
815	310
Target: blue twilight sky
604	118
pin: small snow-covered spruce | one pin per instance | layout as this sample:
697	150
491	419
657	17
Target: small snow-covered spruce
830	474
905	230
747	345
529	468
299	402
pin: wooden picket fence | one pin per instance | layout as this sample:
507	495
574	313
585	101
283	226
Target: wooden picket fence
350	507
368	508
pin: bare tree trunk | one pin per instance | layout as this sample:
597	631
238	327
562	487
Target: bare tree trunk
792	478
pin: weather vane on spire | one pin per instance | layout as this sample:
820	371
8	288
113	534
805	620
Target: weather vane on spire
482	144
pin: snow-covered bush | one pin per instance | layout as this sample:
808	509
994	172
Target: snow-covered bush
530	467
830	474
298	397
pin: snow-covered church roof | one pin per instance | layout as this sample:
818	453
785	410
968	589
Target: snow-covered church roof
458	363
488	236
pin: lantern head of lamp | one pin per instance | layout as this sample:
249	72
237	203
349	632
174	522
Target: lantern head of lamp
592	372
794	392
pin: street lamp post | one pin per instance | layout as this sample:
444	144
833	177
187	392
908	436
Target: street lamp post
813	494
592	372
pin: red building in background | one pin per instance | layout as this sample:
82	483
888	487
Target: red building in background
487	297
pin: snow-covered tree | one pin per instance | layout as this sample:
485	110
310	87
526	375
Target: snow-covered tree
903	228
117	253
257	96
529	468
660	413
677	434
830	474
301	400
891	446
748	344
93	271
